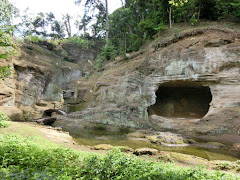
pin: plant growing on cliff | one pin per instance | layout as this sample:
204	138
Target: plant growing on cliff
5	71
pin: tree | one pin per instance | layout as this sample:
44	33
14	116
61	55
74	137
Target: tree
174	3
236	8
66	20
82	24
7	12
40	24
57	30
26	27
93	5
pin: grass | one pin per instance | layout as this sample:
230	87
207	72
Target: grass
36	158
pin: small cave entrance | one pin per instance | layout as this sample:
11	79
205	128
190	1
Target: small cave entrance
181	99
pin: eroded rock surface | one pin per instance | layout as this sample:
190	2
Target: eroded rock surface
205	62
36	83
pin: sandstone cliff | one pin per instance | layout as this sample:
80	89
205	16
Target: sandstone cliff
187	83
38	82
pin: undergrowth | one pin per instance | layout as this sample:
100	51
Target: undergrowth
28	158
4	120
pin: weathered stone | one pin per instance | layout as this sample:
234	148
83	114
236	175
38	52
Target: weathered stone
166	138
145	151
216	145
103	147
235	149
136	135
123	94
12	112
36	83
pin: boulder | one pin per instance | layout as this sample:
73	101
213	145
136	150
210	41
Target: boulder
235	149
103	147
145	151
12	112
166	138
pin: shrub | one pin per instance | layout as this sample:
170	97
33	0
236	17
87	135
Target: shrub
80	42
5	72
108	53
5	39
33	39
4	120
29	158
193	20
147	28
3	117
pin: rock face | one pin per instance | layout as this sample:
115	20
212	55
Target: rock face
188	83
37	82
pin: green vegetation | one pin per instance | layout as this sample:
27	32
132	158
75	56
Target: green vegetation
227	165
123	31
80	41
4	71
6	49
7	12
4	120
34	158
34	39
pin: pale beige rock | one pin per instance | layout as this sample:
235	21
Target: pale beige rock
235	149
12	112
103	147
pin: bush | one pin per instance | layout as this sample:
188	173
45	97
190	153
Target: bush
193	20
29	158
5	71
80	42
3	117
33	39
147	28
108	53
5	39
4	120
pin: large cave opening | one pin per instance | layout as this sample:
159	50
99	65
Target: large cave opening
181	99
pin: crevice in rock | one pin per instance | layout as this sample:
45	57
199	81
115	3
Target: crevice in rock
181	99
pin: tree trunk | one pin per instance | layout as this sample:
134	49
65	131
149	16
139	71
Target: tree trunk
199	11
107	24
66	26
170	17
69	28
122	3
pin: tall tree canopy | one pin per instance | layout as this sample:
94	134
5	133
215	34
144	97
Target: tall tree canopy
7	12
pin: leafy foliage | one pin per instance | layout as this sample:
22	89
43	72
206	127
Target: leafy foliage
7	12
34	39
81	42
5	72
5	39
4	120
26	158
